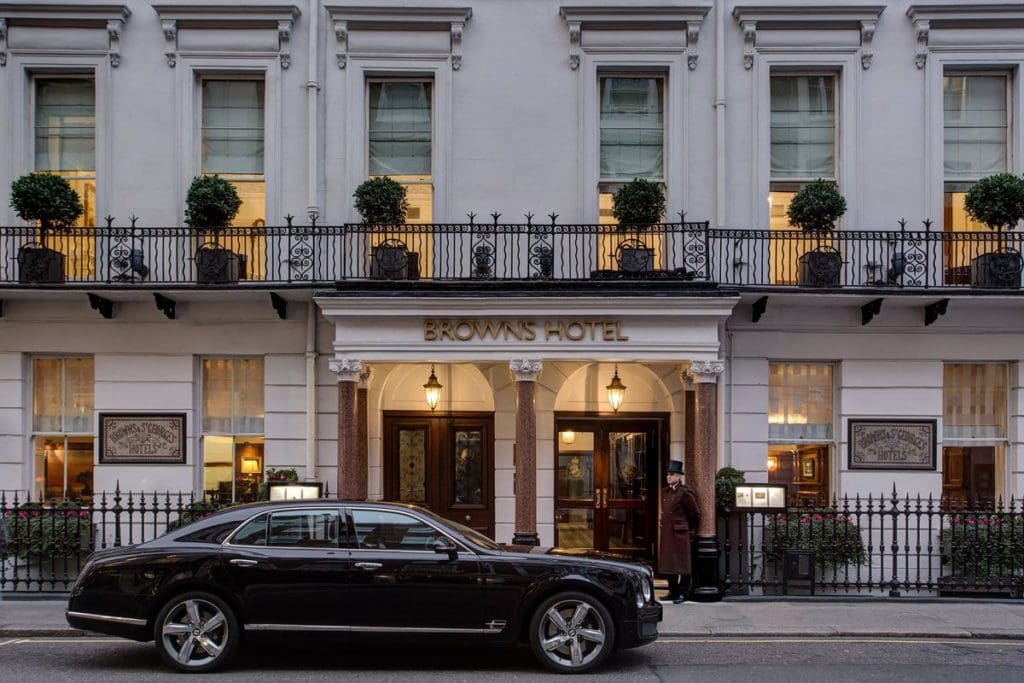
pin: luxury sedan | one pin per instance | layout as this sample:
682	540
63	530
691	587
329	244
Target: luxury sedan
359	570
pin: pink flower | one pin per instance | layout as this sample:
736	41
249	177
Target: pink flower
817	517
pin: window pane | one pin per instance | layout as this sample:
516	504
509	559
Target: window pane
78	395
65	124
248	394
400	128
627	455
803	127
974	400
232	134
49	475
218	474
469	481
975	125
799	401
217	399
248	470
305	528
632	128
47	395
412	464
576	467
80	467
253	533
392	531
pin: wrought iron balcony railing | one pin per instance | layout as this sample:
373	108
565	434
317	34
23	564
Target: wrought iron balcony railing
671	252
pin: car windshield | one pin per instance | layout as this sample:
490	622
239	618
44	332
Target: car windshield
471	535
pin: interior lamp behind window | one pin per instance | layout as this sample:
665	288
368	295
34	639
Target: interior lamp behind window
250	466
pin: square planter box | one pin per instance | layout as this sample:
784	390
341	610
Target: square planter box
394	263
38	264
636	259
820	269
216	266
996	270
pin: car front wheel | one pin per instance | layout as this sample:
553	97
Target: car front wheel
572	633
196	632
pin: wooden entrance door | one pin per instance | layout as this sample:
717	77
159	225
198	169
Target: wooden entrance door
444	463
607	484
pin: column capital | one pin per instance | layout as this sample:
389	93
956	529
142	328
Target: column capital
347	369
525	369
364	377
686	377
707	371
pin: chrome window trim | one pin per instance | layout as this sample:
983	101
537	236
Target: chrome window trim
337	508
369	629
460	546
108	617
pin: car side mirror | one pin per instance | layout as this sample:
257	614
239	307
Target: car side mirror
445	546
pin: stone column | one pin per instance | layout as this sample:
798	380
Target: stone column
702	479
362	473
348	370
689	423
525	372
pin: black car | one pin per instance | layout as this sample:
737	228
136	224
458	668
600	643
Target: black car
359	570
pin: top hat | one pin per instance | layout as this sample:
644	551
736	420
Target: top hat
674	467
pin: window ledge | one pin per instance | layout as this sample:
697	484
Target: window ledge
832	18
448	19
929	19
275	17
110	17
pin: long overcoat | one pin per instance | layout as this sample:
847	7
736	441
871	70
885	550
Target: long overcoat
680	518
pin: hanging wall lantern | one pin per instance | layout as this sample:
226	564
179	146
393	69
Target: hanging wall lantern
432	390
616	391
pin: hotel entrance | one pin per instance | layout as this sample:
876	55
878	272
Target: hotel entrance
607	482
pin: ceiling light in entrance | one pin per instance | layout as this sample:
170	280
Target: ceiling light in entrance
432	390
616	391
568	436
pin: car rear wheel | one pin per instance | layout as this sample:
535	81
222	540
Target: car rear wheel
196	632
572	633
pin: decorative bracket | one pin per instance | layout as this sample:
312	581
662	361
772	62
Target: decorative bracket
760	306
934	311
3	42
341	35
922	29
170	29
575	33
749	43
280	305
692	33
284	41
103	305
869	310
165	305
867	34
707	371
457	27
114	32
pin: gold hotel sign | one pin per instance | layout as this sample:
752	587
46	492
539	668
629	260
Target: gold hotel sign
571	330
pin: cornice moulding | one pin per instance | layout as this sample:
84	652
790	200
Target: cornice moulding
808	17
969	16
633	17
229	15
63	14
417	18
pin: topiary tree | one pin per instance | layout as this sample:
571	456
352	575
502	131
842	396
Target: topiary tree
211	202
47	198
817	206
997	201
381	201
639	203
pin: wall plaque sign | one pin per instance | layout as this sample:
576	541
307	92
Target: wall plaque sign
892	444
142	438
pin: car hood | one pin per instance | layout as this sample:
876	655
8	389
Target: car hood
575	554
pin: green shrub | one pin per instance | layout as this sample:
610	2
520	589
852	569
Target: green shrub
834	538
34	530
997	201
211	202
381	201
639	203
192	512
726	481
984	546
47	198
817	206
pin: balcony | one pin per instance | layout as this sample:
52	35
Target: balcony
671	255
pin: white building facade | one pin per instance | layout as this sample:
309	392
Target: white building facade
309	351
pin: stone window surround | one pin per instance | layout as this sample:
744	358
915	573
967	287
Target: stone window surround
110	18
174	18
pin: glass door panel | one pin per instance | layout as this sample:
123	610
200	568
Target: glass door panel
575	489
412	465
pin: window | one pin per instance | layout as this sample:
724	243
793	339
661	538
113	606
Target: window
392	531
800	429
62	427
803	149
305	529
400	136
65	144
974	404
254	532
232	141
232	428
976	134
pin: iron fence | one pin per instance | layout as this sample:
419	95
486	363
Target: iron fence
887	545
682	252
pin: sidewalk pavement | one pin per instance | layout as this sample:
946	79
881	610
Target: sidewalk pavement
738	617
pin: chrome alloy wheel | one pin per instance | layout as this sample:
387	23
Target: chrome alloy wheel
572	633
195	632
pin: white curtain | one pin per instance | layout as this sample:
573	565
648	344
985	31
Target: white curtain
975	125
233	395
632	128
232	124
800	401
803	127
974	400
65	124
400	128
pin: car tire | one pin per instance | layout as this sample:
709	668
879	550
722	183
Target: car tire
196	632
572	632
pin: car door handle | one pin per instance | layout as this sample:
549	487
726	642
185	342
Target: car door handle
244	563
369	566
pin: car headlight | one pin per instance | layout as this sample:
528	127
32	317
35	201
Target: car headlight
646	589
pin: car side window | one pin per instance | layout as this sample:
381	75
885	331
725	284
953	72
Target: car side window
253	532
383	530
305	529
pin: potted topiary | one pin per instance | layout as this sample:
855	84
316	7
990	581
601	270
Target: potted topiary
49	199
637	205
815	209
382	202
210	205
998	202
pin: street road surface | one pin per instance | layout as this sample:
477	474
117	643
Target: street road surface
670	659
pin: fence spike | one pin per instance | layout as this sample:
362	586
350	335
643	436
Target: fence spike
529	218
109	219
495	215
288	219
133	219
554	217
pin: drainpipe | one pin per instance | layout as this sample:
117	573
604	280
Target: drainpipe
719	10
312	103
311	316
729	376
